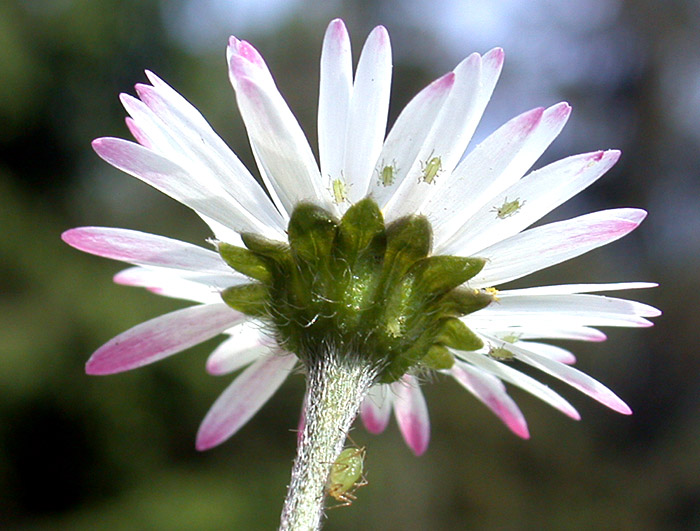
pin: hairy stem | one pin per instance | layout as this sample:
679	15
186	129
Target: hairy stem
335	389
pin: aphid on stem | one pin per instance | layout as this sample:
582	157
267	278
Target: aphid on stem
346	476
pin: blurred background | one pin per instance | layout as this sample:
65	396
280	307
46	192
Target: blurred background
79	452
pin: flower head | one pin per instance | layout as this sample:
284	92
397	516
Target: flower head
388	249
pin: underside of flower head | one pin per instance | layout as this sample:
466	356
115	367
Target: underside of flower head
369	291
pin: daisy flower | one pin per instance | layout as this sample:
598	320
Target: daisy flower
379	260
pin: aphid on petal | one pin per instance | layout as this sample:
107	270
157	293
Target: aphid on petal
508	208
387	175
500	353
340	191
430	169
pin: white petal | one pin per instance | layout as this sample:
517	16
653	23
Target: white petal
519	379
168	284
535	195
369	109
246	344
551	244
279	144
443	143
335	91
407	138
567	289
376	408
549	351
242	399
204	197
543	329
492	393
588	309
162	337
412	413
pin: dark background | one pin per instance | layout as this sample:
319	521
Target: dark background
80	452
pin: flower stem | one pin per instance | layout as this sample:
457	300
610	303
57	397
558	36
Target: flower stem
336	386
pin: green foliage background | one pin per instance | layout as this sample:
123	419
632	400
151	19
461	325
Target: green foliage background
80	452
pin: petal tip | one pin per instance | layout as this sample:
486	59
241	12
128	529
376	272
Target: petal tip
495	56
337	28
204	443
521	431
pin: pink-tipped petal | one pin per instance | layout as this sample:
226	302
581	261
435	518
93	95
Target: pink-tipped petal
412	414
204	197
245	61
178	131
522	380
573	377
162	337
554	243
376	408
242	399
280	146
490	167
407	139
535	195
141	248
138	133
492	393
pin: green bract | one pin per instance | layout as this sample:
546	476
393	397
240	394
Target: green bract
360	287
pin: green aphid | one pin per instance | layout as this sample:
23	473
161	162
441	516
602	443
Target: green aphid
501	353
508	208
346	476
430	169
387	175
512	337
340	191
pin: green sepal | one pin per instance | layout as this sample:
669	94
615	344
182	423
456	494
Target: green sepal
439	274
454	333
401	363
251	299
361	233
463	301
438	357
356	263
408	239
245	261
264	246
311	233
